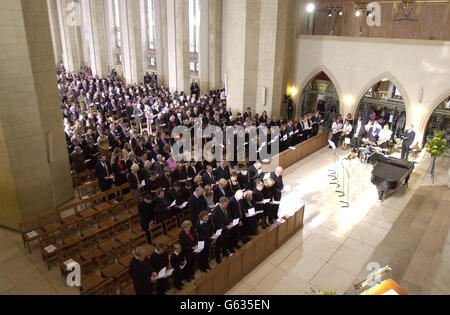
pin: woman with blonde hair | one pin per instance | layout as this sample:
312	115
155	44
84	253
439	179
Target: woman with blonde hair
178	262
209	196
268	192
133	180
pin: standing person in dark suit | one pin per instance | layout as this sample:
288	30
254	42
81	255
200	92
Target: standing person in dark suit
162	206
254	173
316	120
188	241
235	211
359	132
221	190
243	179
208	176
142	273
222	171
159	260
91	153
196	204
222	221
277	177
147	214
258	200
205	231
250	223
408	139
103	173
178	262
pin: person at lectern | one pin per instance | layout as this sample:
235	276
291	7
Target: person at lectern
408	139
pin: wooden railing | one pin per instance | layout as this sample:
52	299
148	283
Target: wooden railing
290	157
232	270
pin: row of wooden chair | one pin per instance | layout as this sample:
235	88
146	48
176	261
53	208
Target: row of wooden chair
33	228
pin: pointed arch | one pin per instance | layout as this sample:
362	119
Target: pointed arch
377	79
431	109
314	74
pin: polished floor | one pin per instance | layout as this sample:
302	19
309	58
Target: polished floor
340	246
333	250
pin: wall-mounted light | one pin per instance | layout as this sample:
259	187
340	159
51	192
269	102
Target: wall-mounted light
358	13
329	12
340	12
310	7
292	91
349	100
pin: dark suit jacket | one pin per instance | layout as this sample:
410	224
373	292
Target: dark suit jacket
101	173
186	243
408	138
234	209
218	193
207	180
196	205
278	186
140	273
220	219
205	231
147	214
159	261
222	173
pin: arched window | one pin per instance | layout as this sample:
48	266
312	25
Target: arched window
150	13
117	32
149	31
194	36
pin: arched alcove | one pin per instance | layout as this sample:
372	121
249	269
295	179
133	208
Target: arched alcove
320	93
384	101
439	119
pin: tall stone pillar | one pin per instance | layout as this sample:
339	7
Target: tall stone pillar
215	44
69	13
162	56
178	44
33	152
94	20
272	42
133	60
55	31
242	55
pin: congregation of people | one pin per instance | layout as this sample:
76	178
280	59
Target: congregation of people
104	131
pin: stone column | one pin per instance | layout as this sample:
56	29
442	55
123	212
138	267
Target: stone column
96	35
133	63
242	54
69	13
55	31
161	42
272	41
215	44
178	44
33	152
203	56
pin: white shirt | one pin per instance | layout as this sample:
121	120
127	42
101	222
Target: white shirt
336	127
347	129
384	135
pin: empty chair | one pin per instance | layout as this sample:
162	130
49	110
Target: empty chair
158	236
49	246
70	233
50	221
31	231
109	268
106	241
172	228
89	279
88	248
